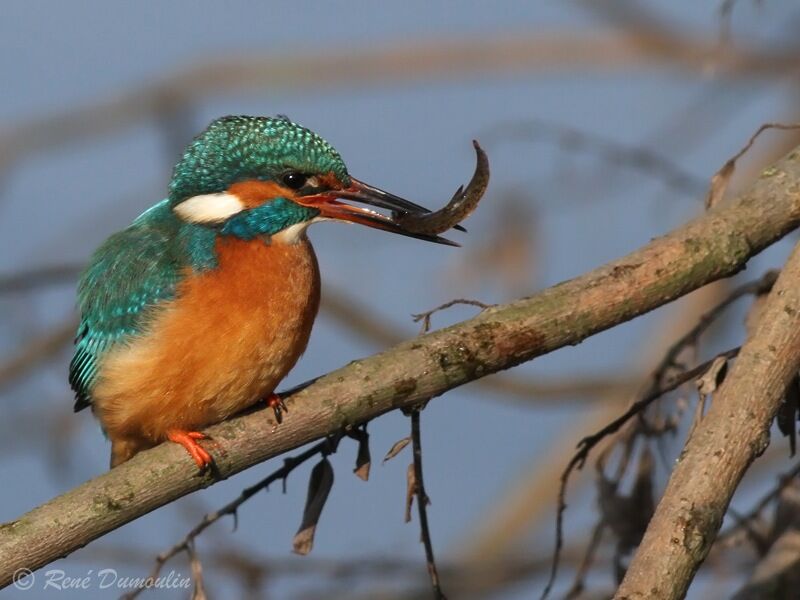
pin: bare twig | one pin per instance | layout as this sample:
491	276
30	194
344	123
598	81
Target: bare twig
324	448
758	287
657	388
422	506
586	445
721	179
529	500
425	317
578	582
733	433
743	521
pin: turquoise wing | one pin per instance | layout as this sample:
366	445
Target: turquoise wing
128	275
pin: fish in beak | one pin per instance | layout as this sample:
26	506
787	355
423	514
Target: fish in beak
329	205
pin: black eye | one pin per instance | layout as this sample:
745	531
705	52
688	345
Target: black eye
294	180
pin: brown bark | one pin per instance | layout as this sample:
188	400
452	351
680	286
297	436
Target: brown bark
715	245
732	434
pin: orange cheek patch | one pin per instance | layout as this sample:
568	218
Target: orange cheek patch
254	193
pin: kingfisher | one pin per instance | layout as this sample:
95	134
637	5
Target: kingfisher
199	308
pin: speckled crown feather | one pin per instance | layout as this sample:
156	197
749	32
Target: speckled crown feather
235	148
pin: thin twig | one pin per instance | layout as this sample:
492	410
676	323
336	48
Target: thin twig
425	317
657	389
588	558
731	436
759	131
324	448
757	287
721	179
422	506
742	521
586	445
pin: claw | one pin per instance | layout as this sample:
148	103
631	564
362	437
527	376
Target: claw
278	406
188	439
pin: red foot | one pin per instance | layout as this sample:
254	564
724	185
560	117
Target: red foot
278	406
188	439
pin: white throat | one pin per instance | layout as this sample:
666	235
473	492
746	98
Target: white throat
294	233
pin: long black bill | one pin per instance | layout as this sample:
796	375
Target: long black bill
341	211
369	194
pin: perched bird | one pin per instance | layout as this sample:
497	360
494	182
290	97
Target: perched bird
200	307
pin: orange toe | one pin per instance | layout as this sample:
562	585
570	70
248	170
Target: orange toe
188	439
277	404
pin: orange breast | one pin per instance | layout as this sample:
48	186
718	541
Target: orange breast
223	344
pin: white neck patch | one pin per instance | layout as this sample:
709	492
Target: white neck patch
294	233
209	208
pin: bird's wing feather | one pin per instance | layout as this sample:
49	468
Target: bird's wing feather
128	275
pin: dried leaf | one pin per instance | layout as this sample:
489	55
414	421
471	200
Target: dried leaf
719	183
319	486
363	459
396	448
628	516
713	378
411	490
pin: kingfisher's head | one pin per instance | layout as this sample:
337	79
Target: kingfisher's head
256	176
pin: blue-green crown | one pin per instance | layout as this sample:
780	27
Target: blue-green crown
233	149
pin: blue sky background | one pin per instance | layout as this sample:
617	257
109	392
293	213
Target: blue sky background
413	138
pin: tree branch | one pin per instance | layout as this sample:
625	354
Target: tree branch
734	432
715	245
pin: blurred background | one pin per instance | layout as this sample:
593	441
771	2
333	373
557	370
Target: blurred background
603	121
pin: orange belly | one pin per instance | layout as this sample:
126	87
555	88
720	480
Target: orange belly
223	344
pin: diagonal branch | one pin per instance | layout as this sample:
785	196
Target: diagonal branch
733	433
714	245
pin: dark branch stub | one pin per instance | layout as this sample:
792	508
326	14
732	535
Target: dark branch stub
422	506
